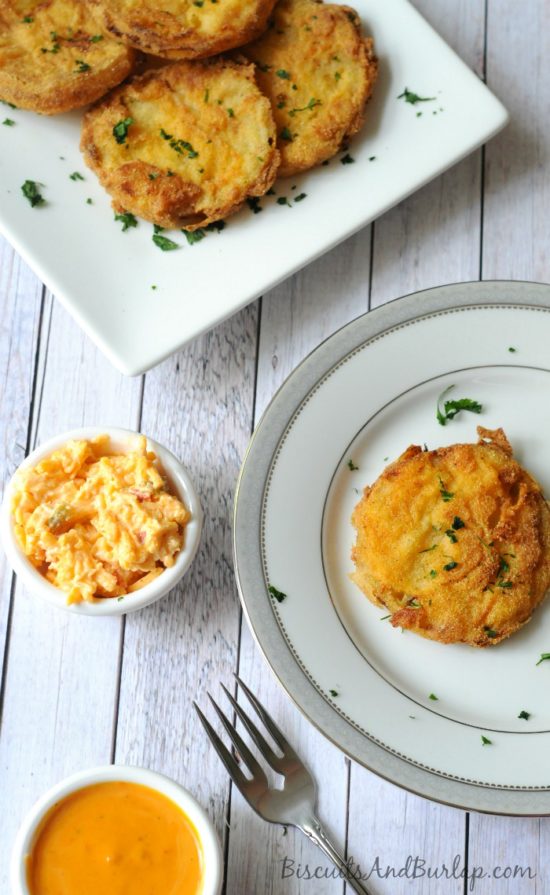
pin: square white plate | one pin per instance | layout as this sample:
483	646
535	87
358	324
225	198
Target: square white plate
105	277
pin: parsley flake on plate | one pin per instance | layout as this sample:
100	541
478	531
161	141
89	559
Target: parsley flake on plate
433	697
32	193
76	176
452	408
334	693
351	465
164	244
9	122
127	219
300	197
347	159
253	203
544	657
194	236
485	741
413	98
276	593
524	715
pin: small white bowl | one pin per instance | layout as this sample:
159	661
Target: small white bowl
213	861
180	484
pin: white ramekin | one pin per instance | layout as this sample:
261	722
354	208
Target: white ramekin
213	861
180	484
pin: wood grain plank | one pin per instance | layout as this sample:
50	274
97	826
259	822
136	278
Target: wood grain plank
295	318
199	404
430	239
61	679
515	246
20	303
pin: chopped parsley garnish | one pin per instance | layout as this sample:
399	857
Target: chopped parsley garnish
351	465
206	96
506	585
458	523
450	566
489	631
524	715
59	516
414	98
428	549
76	176
31	192
194	236
300	197
414	603
89	202
253	203
120	130
27	20
263	66
95	38
5	103
311	105
286	135
485	741
451	535
158	229
543	658
216	225
347	159
231	113
334	693
127	219
179	146
372	158
445	495
433	573
9	122
276	593
153	175
452	408
282	200
512	349
433	697
163	243
282	73
81	66
384	617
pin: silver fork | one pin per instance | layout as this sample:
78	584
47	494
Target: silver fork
294	805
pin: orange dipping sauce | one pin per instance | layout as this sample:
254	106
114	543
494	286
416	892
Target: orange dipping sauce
114	838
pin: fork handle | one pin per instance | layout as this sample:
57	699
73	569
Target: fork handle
314	831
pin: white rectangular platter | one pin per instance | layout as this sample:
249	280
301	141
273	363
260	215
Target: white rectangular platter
140	304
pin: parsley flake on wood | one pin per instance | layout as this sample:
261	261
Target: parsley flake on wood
485	741
413	98
127	219
120	130
524	715
452	408
32	193
163	243
347	159
543	658
276	593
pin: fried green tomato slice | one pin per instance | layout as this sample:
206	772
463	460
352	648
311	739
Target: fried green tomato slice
455	542
319	72
184	145
55	57
185	29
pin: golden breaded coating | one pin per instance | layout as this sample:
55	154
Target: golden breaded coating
184	145
186	29
54	56
318	71
455	542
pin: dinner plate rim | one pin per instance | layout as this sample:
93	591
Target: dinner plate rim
249	493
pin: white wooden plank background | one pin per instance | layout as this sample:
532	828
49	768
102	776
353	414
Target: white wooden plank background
77	692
